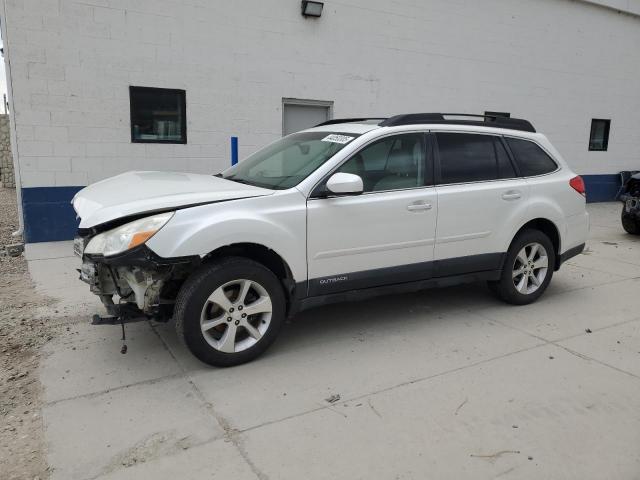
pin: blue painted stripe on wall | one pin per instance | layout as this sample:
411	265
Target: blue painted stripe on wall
601	188
48	214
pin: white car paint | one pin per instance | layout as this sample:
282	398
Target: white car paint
472	217
133	193
278	224
364	242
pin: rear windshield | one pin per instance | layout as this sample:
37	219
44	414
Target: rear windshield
287	162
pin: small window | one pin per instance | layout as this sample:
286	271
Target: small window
393	163
158	115
300	114
530	158
466	157
599	137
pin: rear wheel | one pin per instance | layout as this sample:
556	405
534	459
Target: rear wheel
527	270
629	223
230	311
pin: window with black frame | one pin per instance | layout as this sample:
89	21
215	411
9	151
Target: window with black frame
393	163
470	157
599	136
158	115
530	158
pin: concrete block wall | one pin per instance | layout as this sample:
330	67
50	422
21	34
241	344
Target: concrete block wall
559	63
7	177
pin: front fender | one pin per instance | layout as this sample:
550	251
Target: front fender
278	224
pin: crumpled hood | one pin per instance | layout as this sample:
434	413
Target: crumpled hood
133	193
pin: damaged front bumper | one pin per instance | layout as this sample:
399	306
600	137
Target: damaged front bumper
631	197
631	205
135	284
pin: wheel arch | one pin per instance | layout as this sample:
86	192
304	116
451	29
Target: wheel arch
264	256
550	229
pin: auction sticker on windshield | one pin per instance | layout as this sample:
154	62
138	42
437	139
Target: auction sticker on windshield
337	138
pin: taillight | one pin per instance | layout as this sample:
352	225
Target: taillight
577	183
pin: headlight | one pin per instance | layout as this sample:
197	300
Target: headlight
127	236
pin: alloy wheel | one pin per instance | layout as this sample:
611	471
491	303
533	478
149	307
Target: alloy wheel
236	315
530	268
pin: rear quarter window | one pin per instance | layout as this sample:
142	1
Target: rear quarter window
530	158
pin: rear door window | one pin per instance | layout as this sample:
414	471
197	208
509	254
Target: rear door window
468	157
530	158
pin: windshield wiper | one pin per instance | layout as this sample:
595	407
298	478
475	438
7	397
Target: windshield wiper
240	180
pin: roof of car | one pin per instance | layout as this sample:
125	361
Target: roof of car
365	124
362	128
356	128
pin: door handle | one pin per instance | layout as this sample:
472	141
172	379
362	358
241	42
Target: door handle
511	195
416	207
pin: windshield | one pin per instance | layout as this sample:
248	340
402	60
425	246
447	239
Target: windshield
288	161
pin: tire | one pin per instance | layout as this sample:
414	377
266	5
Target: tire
630	224
522	289
211	298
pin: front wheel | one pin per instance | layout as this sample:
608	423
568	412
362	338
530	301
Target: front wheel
230	311
527	270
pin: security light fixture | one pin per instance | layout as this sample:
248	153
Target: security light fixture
312	9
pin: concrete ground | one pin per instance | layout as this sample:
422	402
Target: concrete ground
439	384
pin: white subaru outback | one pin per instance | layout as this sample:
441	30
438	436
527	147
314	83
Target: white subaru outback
348	209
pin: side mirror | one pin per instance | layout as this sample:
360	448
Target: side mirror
345	184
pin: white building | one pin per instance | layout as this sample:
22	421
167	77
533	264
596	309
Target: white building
238	65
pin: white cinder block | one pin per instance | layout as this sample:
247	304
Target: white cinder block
31	20
43	7
36	148
69	149
71	179
38	179
30	117
113	17
97	134
54	164
45	70
72	64
81	11
97	149
25	132
30	86
89	164
54	134
29	164
29	52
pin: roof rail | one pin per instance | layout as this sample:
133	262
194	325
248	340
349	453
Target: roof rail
349	120
479	120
